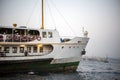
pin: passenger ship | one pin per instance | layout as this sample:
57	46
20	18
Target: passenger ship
29	49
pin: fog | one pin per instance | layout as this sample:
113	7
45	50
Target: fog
101	18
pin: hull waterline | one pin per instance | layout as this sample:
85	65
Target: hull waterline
41	65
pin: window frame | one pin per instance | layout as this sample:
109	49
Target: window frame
21	51
7	49
35	51
44	34
50	34
29	49
15	49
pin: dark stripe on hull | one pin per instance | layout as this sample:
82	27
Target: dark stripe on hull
42	65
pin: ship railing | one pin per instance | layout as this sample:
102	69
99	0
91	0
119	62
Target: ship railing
17	38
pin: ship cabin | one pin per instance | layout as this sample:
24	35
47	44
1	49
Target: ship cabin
16	41
23	34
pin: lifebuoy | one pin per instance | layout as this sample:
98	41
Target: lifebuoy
38	38
32	38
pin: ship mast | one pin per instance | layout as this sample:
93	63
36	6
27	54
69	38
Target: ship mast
42	14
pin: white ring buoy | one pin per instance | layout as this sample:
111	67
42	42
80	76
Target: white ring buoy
38	38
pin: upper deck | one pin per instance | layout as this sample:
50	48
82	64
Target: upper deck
23	35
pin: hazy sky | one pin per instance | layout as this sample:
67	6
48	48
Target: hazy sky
101	18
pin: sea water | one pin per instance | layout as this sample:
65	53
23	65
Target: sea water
89	69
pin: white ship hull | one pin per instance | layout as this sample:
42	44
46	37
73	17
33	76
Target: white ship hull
62	53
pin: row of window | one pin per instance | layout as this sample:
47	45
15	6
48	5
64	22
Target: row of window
44	34
25	32
70	47
22	49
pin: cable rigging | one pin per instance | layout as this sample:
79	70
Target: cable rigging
63	17
32	11
51	14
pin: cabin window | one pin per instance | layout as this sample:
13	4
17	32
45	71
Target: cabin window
5	30
41	49
33	32
21	49
50	34
14	49
0	49
44	34
6	49
35	49
29	49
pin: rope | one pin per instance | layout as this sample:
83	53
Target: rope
63	17
51	14
31	12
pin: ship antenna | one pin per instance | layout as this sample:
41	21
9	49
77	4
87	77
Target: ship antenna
83	29
42	14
